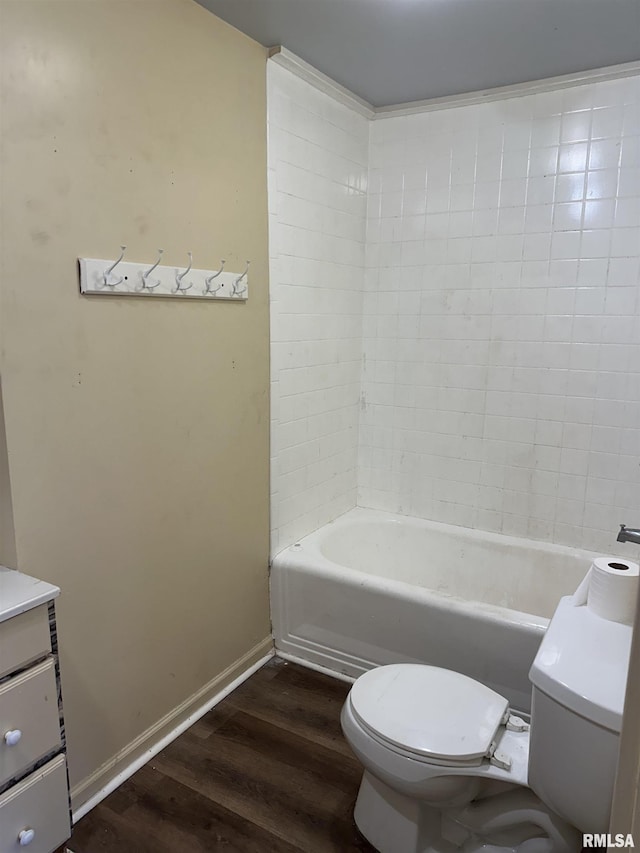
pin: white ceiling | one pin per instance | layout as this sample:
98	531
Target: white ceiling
393	51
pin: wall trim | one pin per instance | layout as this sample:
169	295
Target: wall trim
325	84
281	56
517	90
92	790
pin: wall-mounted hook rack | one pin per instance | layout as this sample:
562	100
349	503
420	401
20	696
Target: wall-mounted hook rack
181	275
145	275
107	281
125	278
208	281
239	285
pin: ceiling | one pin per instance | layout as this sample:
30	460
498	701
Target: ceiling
393	51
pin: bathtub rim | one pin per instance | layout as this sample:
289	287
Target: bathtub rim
359	513
306	553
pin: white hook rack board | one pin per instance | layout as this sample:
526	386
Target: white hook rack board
161	281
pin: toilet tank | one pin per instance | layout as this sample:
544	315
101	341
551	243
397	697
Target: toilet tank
579	679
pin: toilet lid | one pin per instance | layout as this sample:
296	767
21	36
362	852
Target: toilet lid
432	712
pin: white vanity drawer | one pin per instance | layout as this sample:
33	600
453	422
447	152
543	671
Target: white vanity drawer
24	638
29	719
39	805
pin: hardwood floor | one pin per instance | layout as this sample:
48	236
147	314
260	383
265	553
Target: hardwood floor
266	770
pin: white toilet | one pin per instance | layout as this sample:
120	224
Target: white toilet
449	767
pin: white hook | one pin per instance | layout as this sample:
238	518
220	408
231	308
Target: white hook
236	291
207	289
107	272
147	273
181	275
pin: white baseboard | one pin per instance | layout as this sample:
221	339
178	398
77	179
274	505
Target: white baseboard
113	773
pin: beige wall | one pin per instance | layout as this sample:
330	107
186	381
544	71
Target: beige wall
137	429
7	538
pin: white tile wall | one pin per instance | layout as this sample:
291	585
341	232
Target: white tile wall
501	382
317	218
498	312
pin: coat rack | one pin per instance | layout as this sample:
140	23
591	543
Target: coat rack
125	278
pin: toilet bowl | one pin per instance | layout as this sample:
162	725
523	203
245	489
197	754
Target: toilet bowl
449	767
432	741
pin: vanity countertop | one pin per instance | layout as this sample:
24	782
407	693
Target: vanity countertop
20	592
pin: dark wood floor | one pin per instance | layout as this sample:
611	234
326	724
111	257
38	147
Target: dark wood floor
266	770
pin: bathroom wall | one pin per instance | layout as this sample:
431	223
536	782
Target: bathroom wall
317	215
137	430
501	383
7	534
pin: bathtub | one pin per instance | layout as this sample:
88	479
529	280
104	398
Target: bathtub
373	588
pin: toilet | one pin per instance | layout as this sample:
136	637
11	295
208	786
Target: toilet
449	766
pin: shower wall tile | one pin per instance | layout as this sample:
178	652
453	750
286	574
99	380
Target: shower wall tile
318	153
501	316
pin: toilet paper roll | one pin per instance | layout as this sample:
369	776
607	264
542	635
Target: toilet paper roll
610	589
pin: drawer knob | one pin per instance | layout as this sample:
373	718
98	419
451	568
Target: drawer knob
26	836
13	737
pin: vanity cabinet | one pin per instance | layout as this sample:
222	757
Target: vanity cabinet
35	810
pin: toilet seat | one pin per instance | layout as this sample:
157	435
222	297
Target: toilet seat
431	714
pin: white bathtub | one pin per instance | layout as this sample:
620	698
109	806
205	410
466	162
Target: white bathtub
373	588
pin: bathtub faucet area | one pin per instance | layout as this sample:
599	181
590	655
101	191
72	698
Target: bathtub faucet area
628	534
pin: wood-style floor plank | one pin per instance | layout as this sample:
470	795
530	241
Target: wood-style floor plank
266	769
310	709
